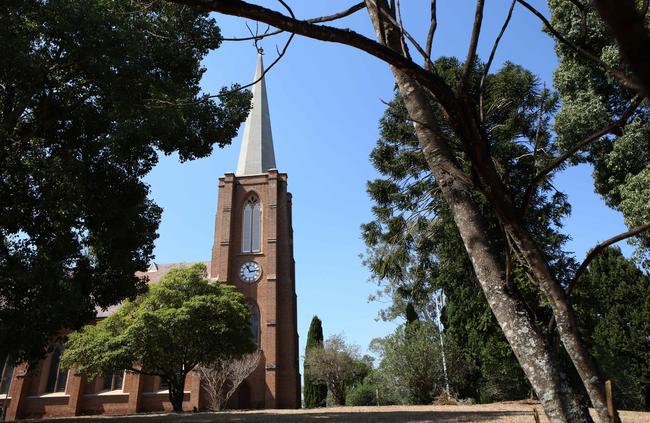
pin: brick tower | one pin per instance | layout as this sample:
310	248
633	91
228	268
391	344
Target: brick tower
253	250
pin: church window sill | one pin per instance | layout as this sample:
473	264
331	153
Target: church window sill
50	395
116	392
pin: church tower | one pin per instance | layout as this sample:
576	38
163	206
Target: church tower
253	250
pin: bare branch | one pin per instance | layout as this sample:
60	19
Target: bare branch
491	58
473	44
432	31
584	143
328	18
600	247
428	79
615	73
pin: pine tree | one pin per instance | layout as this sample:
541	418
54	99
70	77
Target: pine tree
315	393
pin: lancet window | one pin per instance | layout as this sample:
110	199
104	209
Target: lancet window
252	225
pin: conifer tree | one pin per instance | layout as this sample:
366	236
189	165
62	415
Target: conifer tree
315	392
612	301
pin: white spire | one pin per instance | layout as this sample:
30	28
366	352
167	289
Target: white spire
256	155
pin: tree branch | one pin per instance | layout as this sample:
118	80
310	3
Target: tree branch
491	58
328	18
584	143
615	73
628	27
404	32
599	248
429	80
432	30
473	44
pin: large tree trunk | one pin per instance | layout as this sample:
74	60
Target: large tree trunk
533	351
494	190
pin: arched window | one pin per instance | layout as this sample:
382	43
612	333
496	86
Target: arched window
255	323
252	225
56	377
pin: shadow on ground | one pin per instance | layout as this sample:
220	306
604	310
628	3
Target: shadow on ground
329	417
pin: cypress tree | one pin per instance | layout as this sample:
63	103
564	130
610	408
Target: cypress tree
315	393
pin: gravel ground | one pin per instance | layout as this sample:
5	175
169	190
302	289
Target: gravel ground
499	412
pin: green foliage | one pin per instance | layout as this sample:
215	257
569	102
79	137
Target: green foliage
315	394
338	365
411	358
591	101
183	321
415	250
362	394
411	314
612	302
91	92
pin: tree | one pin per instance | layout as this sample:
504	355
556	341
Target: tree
411	358
90	93
592	100
221	378
337	365
315	393
612	301
184	320
415	251
461	100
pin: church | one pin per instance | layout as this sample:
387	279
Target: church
253	250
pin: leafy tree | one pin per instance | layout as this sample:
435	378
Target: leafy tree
315	393
612	301
414	248
377	388
338	365
91	91
183	321
411	357
592	100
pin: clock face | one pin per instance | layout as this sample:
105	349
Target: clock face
250	272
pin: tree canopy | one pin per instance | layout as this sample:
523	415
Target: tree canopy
90	93
184	320
592	100
337	364
612	301
411	360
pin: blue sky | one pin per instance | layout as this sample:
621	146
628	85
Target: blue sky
325	101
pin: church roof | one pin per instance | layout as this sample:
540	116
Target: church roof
154	273
256	155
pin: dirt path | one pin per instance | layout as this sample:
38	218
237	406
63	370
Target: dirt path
496	413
